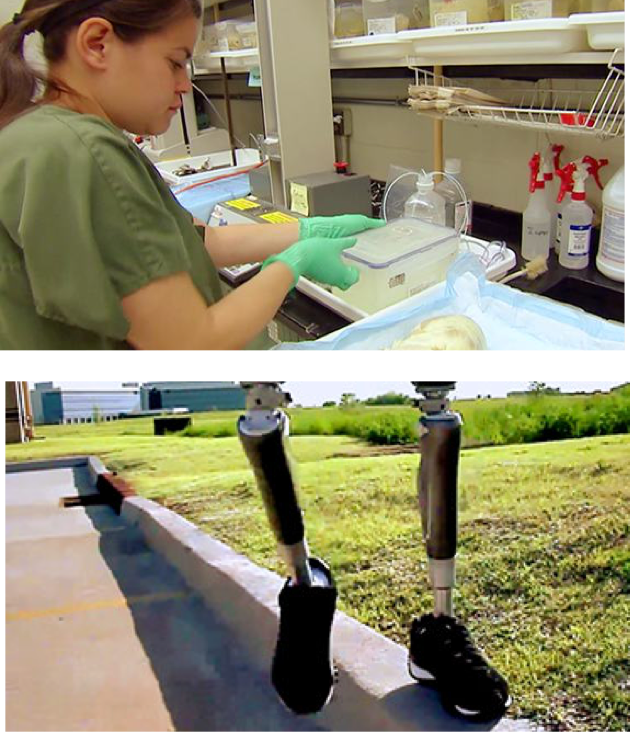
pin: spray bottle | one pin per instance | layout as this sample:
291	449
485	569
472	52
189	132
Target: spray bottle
593	167
577	221
425	203
548	177
611	253
556	226
536	233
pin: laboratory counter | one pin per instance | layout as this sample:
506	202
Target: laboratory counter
302	318
586	288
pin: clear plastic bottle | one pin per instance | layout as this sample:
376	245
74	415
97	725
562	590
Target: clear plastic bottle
552	194
455	208
536	231
425	203
577	222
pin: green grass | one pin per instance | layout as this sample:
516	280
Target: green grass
490	422
544	549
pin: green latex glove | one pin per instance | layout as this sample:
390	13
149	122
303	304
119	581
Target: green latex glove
319	259
333	227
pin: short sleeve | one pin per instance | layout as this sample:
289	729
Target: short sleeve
93	228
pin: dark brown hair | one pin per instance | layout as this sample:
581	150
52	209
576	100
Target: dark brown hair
131	19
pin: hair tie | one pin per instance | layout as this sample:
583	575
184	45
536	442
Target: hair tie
17	18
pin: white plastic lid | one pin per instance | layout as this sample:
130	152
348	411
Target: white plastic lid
400	239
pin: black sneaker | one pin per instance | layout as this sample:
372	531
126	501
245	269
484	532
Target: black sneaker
442	652
302	671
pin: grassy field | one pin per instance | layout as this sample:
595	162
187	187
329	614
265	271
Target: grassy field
544	551
486	422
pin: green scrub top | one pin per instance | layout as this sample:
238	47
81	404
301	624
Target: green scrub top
85	219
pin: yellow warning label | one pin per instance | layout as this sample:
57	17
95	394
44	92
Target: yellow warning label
276	217
242	204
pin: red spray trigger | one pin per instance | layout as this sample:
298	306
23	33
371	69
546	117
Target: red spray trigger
534	166
593	167
566	177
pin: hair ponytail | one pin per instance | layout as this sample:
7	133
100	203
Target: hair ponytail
131	20
18	80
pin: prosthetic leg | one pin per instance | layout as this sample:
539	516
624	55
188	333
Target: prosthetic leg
440	437
302	671
441	650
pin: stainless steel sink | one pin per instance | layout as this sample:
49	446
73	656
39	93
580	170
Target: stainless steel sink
595	298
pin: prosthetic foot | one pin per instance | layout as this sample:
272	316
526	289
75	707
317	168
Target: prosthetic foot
302	671
441	651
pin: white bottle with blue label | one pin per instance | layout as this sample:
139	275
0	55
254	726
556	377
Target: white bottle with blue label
577	223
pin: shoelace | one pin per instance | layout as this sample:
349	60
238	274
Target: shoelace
457	643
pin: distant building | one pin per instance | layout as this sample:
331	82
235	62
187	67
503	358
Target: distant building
53	405
196	396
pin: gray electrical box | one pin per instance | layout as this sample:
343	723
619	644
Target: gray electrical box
330	194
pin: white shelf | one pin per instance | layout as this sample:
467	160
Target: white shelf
235	61
529	38
578	39
370	51
604	30
545	41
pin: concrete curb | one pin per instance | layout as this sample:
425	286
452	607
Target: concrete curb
374	691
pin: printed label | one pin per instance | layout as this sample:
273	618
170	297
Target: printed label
299	199
397	280
376	26
558	229
579	240
532	9
612	237
460	18
276	217
242	204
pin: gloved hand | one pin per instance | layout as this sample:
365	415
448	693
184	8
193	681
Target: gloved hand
319	259
333	227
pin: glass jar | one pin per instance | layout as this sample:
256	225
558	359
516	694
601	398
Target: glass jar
349	19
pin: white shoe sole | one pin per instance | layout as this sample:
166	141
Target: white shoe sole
421	674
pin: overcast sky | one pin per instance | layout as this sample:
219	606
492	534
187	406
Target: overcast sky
314	393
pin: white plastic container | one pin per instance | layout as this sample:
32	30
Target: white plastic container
610	259
455	206
398	260
425	204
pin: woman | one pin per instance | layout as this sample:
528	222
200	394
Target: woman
95	252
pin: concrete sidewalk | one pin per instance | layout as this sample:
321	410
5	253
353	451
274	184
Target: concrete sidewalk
103	634
140	621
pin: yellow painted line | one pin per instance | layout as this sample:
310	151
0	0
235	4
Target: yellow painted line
82	607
